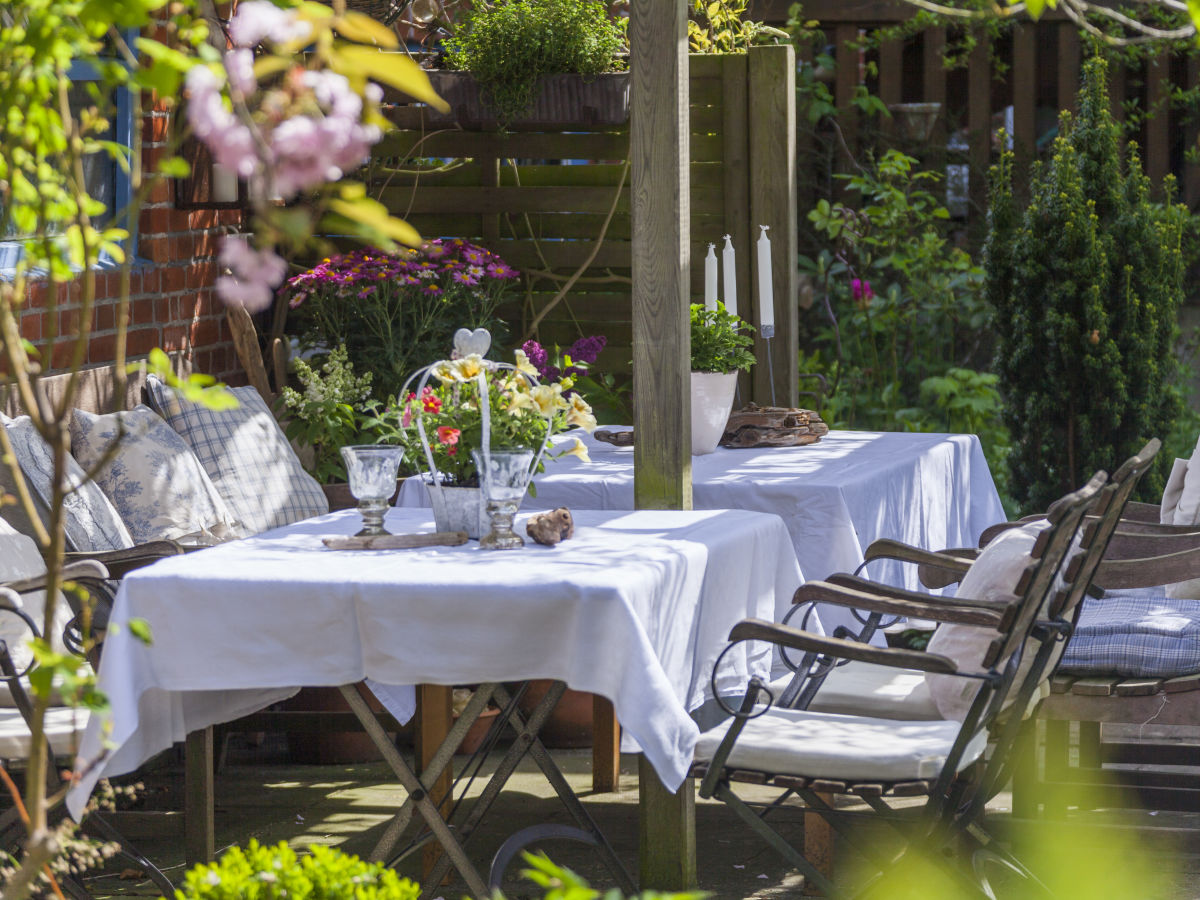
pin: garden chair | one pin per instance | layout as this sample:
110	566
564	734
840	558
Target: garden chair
62	725
812	754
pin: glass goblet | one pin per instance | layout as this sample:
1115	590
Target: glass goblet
371	470
504	478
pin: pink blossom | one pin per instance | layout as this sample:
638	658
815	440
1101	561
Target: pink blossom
860	289
239	66
255	274
259	20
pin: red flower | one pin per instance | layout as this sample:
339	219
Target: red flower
448	435
430	402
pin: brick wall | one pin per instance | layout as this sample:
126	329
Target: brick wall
172	303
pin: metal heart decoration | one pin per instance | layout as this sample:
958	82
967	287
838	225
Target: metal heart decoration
467	342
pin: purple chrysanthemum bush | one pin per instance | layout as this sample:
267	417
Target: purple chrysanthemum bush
396	312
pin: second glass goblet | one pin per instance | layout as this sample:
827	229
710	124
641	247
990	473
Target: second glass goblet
503	477
371	470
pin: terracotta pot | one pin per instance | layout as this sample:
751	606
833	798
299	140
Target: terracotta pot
339	495
478	731
570	724
327	748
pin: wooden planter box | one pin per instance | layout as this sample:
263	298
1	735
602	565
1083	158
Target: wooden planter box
561	99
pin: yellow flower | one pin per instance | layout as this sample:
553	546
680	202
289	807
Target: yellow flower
467	367
519	401
579	415
548	399
443	371
524	366
579	451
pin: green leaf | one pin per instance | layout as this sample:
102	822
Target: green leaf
174	167
140	629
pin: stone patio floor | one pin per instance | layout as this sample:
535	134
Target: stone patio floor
261	795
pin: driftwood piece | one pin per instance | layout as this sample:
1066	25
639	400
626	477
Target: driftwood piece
616	438
772	426
396	541
551	527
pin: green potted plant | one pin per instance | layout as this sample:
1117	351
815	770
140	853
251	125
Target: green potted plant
720	349
535	62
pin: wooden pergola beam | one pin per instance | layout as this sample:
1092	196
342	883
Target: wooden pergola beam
659	155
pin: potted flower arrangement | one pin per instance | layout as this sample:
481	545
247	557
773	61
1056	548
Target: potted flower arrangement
720	350
468	402
394	310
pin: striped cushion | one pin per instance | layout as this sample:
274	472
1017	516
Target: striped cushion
246	455
1135	637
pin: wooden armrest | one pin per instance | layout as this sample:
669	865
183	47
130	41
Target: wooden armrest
899	602
937	569
1148	571
121	562
858	583
1141	512
798	639
1145	544
81	570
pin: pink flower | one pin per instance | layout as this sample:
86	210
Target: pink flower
860	289
260	20
502	271
239	67
254	274
447	435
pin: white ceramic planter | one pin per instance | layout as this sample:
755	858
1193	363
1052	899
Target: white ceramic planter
712	401
459	509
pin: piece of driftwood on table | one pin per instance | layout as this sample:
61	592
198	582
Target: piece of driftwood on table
551	527
396	541
616	438
772	426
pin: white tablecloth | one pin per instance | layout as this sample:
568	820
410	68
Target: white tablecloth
636	607
836	496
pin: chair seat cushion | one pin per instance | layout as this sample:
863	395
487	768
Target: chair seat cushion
64	729
845	748
154	479
867	689
246	455
1135	637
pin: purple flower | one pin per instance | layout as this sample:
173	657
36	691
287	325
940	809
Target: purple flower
585	350
536	354
860	289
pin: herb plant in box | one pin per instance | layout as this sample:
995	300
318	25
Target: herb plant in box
720	350
512	49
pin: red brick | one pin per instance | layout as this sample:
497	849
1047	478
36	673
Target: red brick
60	357
31	325
106	317
141	312
157	219
150	280
141	341
175	337
202	275
162	310
206	332
174	278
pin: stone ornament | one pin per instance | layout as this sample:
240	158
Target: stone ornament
551	527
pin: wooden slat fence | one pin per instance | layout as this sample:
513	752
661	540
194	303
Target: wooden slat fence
551	203
1041	77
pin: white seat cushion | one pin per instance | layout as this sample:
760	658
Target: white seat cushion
247	456
154	479
64	730
867	689
846	748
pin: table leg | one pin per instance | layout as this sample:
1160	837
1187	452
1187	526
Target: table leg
433	723
198	804
606	746
667	832
818	845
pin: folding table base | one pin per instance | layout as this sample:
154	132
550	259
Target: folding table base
453	838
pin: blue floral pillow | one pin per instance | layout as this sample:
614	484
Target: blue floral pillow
154	479
90	522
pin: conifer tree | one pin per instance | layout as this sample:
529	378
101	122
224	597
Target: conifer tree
1086	283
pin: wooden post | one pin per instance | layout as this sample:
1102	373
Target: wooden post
1024	82
773	203
979	133
606	747
1068	65
1158	125
735	102
433	722
659	155
891	80
199	806
844	83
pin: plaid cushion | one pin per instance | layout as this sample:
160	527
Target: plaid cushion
1135	637
246	455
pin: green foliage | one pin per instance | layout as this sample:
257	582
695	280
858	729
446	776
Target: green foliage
1086	284
718	341
326	414
905	319
561	883
719	26
510	45
275	873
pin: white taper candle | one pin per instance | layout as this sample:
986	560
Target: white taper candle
710	278
766	292
730	276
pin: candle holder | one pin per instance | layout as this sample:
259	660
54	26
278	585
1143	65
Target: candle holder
504	477
371	470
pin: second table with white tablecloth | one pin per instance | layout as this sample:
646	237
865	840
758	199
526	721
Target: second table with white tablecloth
835	496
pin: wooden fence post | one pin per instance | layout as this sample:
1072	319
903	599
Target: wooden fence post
772	131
